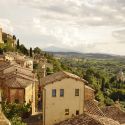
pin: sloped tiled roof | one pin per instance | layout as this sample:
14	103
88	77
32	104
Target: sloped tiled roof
59	76
86	119
83	119
4	65
17	82
88	87
92	108
114	113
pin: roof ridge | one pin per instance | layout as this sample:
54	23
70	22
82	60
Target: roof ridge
59	76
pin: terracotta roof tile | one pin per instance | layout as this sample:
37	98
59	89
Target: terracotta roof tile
87	119
59	76
17	83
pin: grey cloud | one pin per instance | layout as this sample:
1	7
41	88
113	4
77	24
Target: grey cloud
67	22
112	12
119	35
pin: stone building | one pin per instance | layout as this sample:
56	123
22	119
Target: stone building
120	76
17	84
41	61
7	38
63	97
89	93
1	40
20	59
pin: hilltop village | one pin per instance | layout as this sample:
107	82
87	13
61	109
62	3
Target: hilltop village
59	98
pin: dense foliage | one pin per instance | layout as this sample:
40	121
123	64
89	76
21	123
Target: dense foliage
15	112
101	75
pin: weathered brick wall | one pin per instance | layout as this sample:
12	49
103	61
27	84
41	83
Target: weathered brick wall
0	35
5	92
89	94
17	94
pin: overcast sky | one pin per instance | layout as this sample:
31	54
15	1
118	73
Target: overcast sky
81	25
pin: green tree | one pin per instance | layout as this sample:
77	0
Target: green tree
103	85
108	101
8	47
1	51
37	50
31	52
23	49
18	44
100	97
17	121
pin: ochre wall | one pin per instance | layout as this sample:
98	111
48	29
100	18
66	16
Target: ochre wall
17	94
30	96
1	41
54	107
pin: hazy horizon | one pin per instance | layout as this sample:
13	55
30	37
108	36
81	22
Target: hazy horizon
87	26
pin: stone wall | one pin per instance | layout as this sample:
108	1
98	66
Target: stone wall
89	93
17	94
0	35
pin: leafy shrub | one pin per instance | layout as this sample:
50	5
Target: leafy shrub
118	95
17	121
108	101
99	96
14	112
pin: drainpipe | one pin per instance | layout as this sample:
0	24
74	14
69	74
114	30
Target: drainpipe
44	106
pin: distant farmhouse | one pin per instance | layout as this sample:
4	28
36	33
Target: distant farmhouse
120	76
20	59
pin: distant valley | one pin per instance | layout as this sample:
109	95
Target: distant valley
86	55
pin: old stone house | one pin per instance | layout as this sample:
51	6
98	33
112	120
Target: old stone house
1	40
17	83
63	97
7	39
20	59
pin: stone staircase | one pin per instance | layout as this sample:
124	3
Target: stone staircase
92	108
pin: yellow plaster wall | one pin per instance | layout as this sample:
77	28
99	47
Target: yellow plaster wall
54	107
